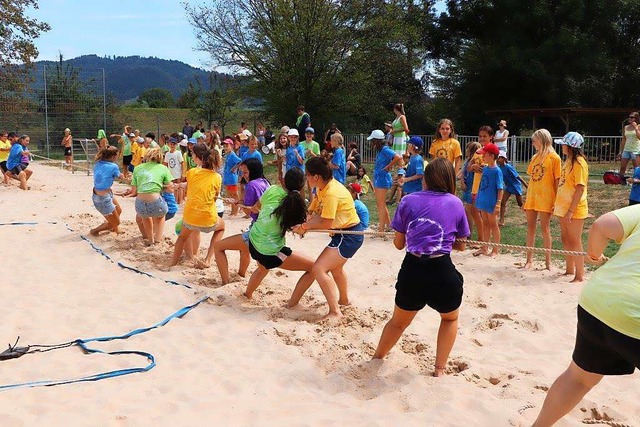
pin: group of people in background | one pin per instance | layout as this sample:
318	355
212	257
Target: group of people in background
15	158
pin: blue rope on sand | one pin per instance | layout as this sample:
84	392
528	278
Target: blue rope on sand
82	343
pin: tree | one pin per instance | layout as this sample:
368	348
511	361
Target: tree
157	98
17	33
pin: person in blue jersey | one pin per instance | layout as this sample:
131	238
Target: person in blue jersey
252	152
229	174
489	198
338	161
386	159
295	152
512	184
105	172
415	168
361	209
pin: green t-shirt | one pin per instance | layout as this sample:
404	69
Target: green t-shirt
612	295
313	146
150	177
126	145
265	232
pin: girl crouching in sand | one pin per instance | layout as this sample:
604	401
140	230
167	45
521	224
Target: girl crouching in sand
428	223
104	172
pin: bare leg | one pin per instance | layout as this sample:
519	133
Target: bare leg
341	281
383	212
140	225
446	338
329	260
234	242
467	209
486	233
28	173
298	262
532	218
564	236
183	240
565	393
545	226
216	237
393	331
254	281
503	207
495	232
192	246
147	227
158	229
575	244
477	219
623	166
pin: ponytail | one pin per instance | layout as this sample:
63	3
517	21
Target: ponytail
107	153
210	158
292	209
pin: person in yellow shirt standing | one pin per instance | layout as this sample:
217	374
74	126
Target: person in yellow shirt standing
5	147
137	151
571	201
446	145
544	172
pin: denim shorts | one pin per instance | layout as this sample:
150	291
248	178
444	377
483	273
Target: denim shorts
629	155
156	209
104	204
347	244
200	229
383	180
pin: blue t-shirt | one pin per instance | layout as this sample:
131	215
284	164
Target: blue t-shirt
255	155
635	188
467	197
292	159
103	174
231	161
431	221
339	159
363	212
382	178
15	155
415	167
511	182
491	182
170	198
243	149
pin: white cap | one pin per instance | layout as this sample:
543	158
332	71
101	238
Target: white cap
184	142
246	132
293	132
376	134
502	153
285	129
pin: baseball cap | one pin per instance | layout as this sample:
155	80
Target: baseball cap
183	143
173	140
309	130
376	134
502	153
417	141
356	187
284	129
192	140
243	136
197	135
401	171
247	132
140	139
228	141
132	135
572	139
293	132
489	148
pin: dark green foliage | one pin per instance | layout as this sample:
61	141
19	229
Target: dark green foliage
157	98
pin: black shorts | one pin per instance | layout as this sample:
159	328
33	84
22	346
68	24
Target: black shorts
19	168
602	350
126	160
220	214
67	151
3	166
633	202
269	261
429	281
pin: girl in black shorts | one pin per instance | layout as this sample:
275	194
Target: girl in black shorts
428	223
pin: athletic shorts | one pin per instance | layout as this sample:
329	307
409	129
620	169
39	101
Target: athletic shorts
602	350
19	168
3	166
629	155
269	261
168	216
104	204
232	188
429	281
200	229
631	202
384	180
67	151
126	160
347	244
155	209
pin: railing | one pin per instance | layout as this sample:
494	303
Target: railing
600	151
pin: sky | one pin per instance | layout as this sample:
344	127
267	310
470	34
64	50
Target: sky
157	28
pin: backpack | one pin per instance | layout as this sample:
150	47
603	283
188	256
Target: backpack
612	177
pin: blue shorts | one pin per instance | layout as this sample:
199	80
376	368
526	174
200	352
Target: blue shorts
629	155
347	244
383	180
156	209
104	204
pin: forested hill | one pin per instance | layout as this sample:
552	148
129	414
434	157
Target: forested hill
127	76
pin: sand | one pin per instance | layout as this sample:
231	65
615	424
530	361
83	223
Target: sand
232	361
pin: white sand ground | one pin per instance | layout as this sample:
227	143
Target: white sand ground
236	362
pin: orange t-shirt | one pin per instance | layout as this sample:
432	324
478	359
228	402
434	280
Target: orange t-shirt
541	194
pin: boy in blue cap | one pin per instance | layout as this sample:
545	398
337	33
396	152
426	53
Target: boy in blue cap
415	168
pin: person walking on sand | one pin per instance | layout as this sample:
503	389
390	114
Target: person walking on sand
427	224
608	331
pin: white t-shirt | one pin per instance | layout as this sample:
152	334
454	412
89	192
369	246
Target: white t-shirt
174	162
501	134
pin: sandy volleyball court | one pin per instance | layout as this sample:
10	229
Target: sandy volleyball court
236	362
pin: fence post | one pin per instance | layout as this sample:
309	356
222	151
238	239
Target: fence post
514	150
46	108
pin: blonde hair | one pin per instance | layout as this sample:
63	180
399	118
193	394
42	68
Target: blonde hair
545	139
472	148
153	155
442	122
338	138
107	153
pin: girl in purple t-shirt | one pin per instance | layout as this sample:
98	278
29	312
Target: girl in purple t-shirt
257	184
428	223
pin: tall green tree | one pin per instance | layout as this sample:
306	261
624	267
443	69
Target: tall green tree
157	98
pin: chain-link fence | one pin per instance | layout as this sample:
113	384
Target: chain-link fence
58	97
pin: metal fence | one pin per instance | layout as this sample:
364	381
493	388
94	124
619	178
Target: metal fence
58	97
600	151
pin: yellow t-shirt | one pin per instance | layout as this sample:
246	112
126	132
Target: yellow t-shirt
449	149
612	295
365	183
203	186
335	202
572	175
137	151
477	176
541	194
4	155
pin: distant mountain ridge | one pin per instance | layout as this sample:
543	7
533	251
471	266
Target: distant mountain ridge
128	76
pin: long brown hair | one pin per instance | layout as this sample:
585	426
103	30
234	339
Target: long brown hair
440	175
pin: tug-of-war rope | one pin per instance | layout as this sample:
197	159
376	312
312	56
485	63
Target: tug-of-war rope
478	242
